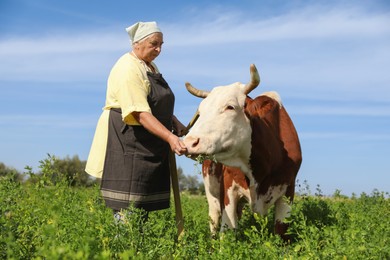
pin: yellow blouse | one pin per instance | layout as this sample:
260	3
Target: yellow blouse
127	88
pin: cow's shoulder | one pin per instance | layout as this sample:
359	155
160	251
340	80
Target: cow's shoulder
264	105
263	113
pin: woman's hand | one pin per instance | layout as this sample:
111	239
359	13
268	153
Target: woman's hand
177	146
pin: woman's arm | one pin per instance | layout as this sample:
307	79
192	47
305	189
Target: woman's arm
154	126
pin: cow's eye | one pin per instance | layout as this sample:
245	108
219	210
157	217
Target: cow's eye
230	107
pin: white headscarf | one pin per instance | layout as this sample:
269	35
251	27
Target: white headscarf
140	30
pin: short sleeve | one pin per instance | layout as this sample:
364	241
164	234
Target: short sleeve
128	86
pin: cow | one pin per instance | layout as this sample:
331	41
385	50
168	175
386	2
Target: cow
254	152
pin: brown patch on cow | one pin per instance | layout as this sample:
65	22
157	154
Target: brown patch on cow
230	175
281	230
226	176
211	168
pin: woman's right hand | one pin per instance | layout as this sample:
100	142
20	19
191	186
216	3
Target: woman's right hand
177	145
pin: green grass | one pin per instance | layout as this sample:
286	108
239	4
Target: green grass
42	220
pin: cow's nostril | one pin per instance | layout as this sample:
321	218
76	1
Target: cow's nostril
196	142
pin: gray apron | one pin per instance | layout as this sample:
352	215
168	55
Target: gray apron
136	169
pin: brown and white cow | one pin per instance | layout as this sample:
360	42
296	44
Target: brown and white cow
256	141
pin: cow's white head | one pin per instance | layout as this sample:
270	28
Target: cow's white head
222	129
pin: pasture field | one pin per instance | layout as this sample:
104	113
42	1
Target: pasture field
46	220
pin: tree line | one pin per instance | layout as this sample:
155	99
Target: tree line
72	170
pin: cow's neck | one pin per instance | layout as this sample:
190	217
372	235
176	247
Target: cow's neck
264	139
240	159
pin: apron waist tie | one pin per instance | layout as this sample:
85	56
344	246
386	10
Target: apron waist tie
125	126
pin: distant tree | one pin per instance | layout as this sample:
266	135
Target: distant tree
8	171
201	188
73	169
181	178
189	183
192	184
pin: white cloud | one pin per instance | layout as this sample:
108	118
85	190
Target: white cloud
343	136
310	23
356	109
314	50
78	42
44	121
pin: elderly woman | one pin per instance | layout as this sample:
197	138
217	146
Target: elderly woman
137	128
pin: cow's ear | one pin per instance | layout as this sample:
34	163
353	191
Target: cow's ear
248	101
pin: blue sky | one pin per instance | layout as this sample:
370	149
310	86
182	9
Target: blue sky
329	61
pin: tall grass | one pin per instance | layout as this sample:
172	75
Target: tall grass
43	220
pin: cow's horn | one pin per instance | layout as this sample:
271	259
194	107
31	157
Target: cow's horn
196	92
255	80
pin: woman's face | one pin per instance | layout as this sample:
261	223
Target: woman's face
149	48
